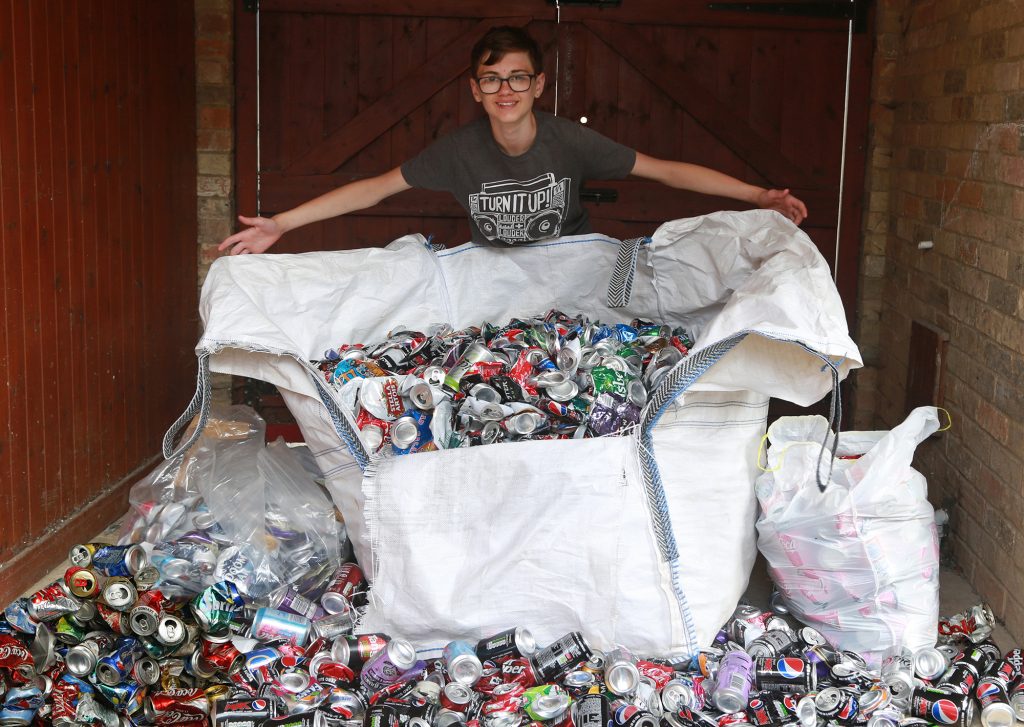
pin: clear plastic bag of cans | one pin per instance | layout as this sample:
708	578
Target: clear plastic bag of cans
232	508
548	377
859	561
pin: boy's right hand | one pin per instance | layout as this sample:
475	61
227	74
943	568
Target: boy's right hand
261	234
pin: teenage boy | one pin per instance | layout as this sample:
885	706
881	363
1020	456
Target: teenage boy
517	172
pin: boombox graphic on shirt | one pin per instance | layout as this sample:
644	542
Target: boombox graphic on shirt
517	211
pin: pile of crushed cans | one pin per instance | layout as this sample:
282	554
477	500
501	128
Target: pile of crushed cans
104	647
548	377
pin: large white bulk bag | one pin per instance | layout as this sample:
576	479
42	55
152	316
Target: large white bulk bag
645	540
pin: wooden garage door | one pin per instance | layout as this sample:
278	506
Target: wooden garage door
351	88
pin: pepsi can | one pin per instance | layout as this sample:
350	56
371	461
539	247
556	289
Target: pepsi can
942	708
786	674
994	702
767	709
837	704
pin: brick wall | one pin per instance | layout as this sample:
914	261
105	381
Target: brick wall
947	166
215	145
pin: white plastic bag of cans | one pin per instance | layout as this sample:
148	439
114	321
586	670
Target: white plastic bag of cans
859	561
642	540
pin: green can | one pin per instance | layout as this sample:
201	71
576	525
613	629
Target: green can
69	631
610	381
546	702
215	607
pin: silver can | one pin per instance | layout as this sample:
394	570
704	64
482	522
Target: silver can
119	593
621	675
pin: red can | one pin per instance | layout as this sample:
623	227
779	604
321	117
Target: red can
518	671
347	581
188	700
15	657
223	656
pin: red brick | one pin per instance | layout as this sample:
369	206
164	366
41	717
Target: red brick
214	140
215	117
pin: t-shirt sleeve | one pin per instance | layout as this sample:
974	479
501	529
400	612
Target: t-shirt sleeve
604	158
433	167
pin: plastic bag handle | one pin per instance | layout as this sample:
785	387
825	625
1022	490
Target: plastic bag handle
200	404
620	288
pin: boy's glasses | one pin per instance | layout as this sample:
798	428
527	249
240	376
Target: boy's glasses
517	82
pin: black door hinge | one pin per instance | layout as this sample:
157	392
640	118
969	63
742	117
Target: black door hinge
855	10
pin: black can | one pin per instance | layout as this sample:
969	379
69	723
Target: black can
774	642
561	657
591	710
942	708
1004	670
767	709
965	671
1016	659
785	674
508	644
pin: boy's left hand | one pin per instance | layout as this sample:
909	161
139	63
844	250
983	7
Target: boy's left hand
782	201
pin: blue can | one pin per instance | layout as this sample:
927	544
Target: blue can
114	668
126	697
21	705
119	560
18	617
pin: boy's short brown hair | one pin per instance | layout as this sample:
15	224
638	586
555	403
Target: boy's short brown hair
498	41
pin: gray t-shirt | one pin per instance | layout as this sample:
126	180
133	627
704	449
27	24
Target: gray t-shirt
525	198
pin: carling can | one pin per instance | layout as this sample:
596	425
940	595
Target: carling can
510	643
388	665
732	685
786	674
272	625
561	657
144	615
462	663
942	707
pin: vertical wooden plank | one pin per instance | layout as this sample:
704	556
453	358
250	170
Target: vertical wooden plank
634	107
602	73
407	137
303	124
74	490
91	357
105	295
139	441
27	241
12	365
48	398
124	397
342	76
245	112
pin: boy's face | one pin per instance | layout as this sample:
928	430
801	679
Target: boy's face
508	106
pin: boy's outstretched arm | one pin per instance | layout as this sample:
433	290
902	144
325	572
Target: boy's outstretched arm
264	232
707	181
